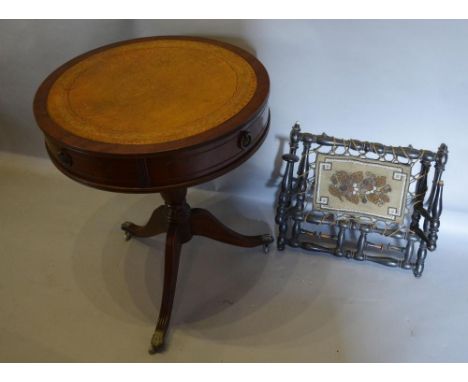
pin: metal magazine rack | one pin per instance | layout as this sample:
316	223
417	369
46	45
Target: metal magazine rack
361	200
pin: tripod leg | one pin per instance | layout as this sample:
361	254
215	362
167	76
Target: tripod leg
171	267
156	224
203	223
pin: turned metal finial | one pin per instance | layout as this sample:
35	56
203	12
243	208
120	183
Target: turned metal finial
295	135
442	156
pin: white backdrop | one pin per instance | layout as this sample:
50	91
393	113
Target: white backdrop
397	82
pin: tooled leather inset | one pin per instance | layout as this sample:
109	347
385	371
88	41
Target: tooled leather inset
151	92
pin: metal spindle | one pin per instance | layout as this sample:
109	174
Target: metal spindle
303	174
284	199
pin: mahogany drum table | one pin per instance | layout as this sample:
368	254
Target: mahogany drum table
158	114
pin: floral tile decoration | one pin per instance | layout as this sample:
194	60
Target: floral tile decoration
358	186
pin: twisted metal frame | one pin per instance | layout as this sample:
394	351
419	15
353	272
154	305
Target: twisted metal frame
399	241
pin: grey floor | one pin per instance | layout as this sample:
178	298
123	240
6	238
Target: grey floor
71	289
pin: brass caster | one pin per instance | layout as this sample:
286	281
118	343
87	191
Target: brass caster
128	236
125	227
157	342
267	239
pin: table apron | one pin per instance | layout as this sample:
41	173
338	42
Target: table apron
153	173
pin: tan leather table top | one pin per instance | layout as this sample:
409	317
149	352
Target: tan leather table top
151	91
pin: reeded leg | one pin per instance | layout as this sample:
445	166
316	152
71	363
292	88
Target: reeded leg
156	225
180	222
171	267
203	223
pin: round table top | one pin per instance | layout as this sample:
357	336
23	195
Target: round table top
152	94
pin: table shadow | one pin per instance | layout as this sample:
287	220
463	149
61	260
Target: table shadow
219	286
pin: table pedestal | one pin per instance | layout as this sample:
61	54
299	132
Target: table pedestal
180	223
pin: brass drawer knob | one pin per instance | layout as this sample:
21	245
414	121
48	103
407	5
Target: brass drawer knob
65	158
245	139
